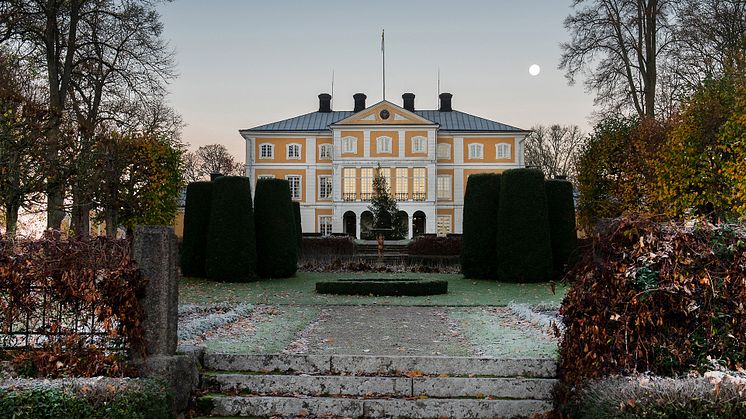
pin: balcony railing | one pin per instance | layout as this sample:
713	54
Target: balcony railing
419	196
349	196
366	196
402	196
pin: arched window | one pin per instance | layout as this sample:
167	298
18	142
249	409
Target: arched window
293	151
383	144
266	151
503	151
444	151
419	144
476	151
325	152
349	145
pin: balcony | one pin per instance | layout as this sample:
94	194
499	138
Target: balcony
419	196
401	196
366	196
349	196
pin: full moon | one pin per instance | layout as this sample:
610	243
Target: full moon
534	70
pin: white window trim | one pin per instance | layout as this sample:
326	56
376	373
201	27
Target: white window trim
300	151
331	184
422	141
260	177
352	142
379	144
476	156
446	155
450	223
271	151
507	147
329	152
450	187
330	224
300	187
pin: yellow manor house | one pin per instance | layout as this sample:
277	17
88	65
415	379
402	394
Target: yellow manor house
330	157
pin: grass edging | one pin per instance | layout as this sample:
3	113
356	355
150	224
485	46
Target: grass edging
383	287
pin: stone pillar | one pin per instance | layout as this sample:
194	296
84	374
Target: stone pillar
156	254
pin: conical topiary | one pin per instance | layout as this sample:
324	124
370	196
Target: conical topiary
564	236
276	239
196	223
478	249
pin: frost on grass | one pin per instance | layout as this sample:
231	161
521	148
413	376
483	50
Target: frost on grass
197	320
544	316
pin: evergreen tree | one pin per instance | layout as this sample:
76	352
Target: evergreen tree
384	208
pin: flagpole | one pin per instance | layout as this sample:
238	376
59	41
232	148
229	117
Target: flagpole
383	51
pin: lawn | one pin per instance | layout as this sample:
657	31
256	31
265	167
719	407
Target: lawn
300	290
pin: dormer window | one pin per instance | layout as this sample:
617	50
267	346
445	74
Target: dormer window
476	151
419	144
349	145
383	144
325	152
266	151
503	151
293	151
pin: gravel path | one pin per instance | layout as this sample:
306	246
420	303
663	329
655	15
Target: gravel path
386	331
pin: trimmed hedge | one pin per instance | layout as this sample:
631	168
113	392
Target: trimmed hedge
481	204
231	243
524	247
564	237
276	237
298	227
196	224
435	246
144	399
383	287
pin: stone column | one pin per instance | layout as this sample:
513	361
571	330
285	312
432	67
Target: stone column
156	254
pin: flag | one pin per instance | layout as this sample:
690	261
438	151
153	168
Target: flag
382	50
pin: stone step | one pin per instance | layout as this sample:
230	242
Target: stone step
218	405
382	365
337	385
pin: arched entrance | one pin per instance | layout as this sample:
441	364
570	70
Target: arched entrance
418	223
366	223
401	225
349	222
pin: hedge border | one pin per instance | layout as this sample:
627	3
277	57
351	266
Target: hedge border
383	287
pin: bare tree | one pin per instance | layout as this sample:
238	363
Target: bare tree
617	43
212	158
555	149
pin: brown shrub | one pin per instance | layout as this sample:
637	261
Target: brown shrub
658	297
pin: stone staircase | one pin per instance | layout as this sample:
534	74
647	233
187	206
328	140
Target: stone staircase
374	386
393	253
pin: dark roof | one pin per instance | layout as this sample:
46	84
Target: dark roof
448	121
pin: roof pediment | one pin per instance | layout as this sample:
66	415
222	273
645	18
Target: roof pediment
384	113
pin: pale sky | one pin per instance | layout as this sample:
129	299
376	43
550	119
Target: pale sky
244	63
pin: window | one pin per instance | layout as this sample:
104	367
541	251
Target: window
383	144
295	189
419	145
476	151
325	152
503	151
349	145
260	177
444	187
366	183
325	187
293	151
325	225
444	151
348	187
419	184
402	184
444	225
266	151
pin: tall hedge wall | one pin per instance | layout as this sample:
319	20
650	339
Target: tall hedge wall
563	234
298	228
277	242
196	224
231	245
523	243
481	203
